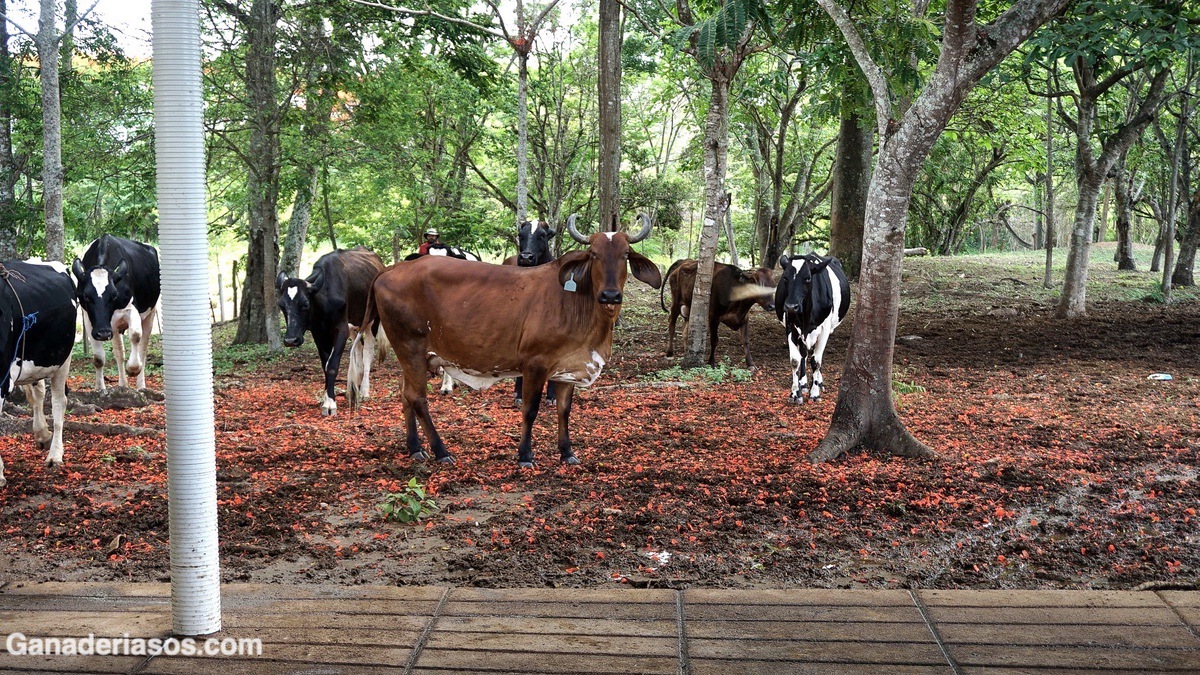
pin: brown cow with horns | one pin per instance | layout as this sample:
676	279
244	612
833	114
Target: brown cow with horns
482	323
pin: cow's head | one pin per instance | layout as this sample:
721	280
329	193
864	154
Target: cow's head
795	286
102	292
533	243
761	286
296	303
601	268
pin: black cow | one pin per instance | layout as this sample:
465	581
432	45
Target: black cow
733	293
37	331
440	249
533	249
812	299
117	286
331	300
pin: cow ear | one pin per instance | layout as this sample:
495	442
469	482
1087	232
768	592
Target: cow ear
820	267
77	269
551	233
316	280
118	272
573	265
280	281
784	261
781	293
644	269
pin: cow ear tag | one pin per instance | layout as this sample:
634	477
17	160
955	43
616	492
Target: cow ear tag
570	285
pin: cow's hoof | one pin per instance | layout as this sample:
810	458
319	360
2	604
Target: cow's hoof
328	412
448	459
418	456
798	400
571	460
52	462
3	482
551	402
518	403
525	465
445	392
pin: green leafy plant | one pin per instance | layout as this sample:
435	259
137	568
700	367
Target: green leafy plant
712	374
408	506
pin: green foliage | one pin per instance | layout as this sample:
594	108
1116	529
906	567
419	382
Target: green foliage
409	506
718	374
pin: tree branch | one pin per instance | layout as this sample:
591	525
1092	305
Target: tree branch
870	69
437	15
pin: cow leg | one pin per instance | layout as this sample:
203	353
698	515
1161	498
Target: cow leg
36	393
713	334
818	354
565	397
369	349
416	380
118	344
58	403
671	329
532	384
139	345
551	392
745	330
518	386
97	352
798	353
447	383
332	361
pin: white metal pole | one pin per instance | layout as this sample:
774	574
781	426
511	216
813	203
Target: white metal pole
187	333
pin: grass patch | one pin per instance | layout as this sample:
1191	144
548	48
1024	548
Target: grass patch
718	374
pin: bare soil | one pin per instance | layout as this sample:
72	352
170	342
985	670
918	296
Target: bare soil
1060	464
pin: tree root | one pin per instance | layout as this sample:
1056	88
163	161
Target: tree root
850	431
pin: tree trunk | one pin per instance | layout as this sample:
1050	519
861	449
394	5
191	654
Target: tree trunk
1177	151
609	112
52	172
716	150
522	131
70	15
259	322
8	174
297	232
1186	263
1051	234
1100	229
1038	232
1073	302
315	130
1124	197
865	414
851	180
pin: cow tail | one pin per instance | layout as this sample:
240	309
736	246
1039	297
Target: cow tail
362	349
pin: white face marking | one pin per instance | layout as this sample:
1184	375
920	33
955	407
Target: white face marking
100	281
292	292
609	235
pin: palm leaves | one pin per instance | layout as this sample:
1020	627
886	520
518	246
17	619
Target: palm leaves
721	31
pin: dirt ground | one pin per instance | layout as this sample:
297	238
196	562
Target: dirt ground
1060	464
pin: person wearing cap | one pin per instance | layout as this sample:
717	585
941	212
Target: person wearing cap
431	238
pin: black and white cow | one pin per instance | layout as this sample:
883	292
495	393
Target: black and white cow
812	298
440	249
533	249
329	303
37	332
117	285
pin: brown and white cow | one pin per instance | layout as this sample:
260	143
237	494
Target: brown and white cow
482	323
734	292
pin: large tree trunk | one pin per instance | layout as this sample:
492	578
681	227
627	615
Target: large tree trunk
609	111
865	414
716	150
8	174
1175	198
259	322
1124	197
52	172
1186	263
851	180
